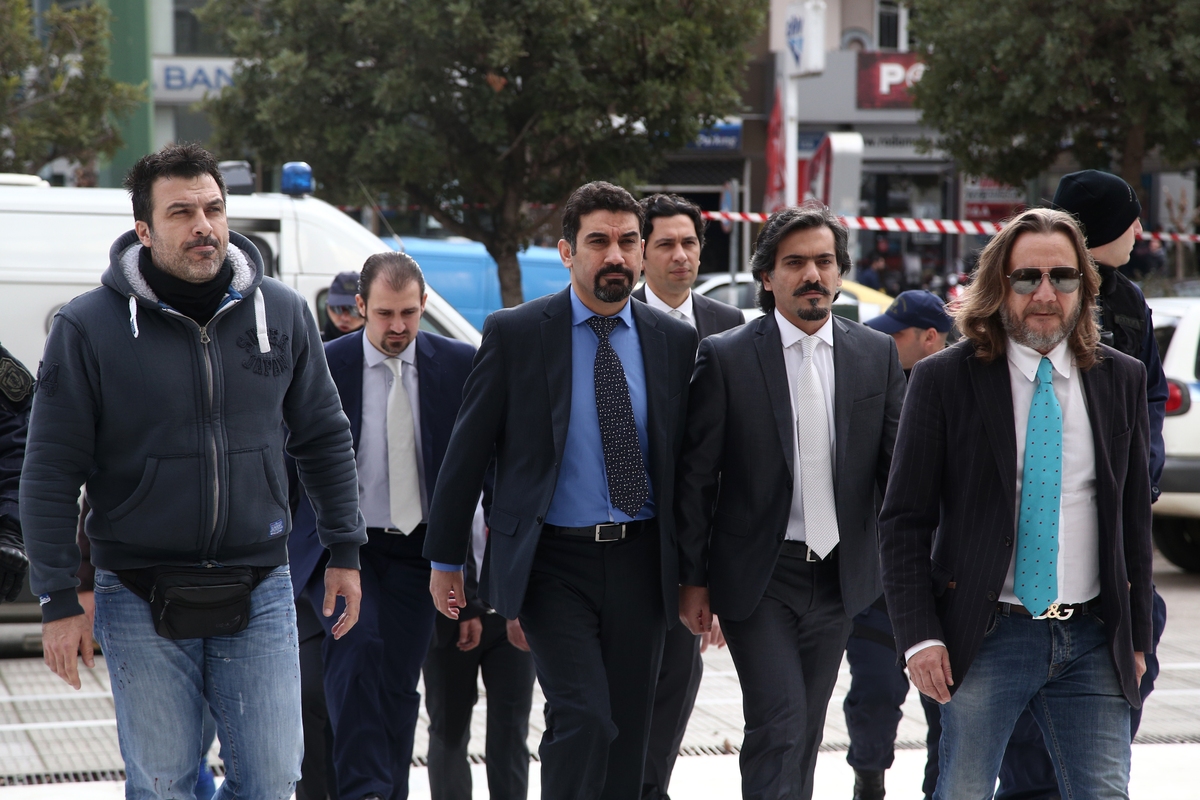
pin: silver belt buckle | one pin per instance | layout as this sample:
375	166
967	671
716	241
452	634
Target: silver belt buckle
1054	612
603	531
809	556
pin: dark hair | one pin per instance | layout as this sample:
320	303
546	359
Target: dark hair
670	205
978	315
187	160
796	218
397	269
596	196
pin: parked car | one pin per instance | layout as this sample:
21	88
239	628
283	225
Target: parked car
856	302
1177	512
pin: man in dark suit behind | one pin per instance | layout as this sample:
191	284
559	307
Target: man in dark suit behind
401	389
1015	532
580	397
795	414
672	237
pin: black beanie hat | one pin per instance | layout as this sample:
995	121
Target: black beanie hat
1103	203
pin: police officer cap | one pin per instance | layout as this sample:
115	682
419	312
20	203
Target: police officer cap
1103	203
913	309
343	289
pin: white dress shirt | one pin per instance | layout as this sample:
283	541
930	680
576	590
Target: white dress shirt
374	497
793	359
684	309
1078	526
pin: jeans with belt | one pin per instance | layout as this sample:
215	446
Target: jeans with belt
1063	671
250	681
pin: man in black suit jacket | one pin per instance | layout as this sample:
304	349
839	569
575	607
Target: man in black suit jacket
673	236
371	673
1050	607
580	397
792	417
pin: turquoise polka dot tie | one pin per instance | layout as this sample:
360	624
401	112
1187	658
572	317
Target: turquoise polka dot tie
1036	576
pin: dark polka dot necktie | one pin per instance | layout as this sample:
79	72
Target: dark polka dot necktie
1036	574
628	489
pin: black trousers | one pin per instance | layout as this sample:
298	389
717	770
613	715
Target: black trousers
787	654
371	673
451	691
593	616
317	781
674	698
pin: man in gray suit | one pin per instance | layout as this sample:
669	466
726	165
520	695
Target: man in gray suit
796	414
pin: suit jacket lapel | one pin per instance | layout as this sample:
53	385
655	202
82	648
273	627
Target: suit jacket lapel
655	364
845	390
993	393
705	316
346	369
556	352
1098	391
429	385
770	360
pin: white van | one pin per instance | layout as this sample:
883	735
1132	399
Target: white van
54	245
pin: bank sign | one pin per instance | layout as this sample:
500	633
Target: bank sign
885	78
182	80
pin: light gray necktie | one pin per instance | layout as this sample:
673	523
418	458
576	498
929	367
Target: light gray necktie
816	469
404	486
677	314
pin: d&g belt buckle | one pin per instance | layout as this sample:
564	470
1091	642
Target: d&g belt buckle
1055	612
611	532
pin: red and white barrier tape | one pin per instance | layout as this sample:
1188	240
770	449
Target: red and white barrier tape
909	225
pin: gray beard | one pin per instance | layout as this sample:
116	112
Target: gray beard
1020	333
178	264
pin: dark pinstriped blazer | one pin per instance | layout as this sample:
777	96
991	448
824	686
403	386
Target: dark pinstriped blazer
948	526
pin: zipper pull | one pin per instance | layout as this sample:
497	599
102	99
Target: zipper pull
204	335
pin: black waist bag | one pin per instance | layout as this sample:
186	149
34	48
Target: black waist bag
196	602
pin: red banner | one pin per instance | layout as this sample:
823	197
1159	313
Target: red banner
885	78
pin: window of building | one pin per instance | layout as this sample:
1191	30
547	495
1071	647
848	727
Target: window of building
191	38
891	25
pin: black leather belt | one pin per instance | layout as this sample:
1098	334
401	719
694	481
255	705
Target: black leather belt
606	532
395	531
1059	611
794	549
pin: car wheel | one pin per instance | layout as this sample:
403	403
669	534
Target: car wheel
1178	539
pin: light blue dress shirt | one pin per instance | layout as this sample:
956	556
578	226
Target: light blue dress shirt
581	494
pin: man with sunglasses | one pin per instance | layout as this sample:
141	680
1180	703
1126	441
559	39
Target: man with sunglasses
1108	210
341	309
1025	448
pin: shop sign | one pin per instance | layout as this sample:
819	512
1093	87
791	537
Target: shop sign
884	79
727	136
182	80
986	200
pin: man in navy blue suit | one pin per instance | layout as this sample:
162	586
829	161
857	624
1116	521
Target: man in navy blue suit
401	389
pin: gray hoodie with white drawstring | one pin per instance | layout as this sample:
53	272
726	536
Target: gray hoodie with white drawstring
178	430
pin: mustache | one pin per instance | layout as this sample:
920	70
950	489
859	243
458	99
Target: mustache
1043	308
203	241
811	286
615	269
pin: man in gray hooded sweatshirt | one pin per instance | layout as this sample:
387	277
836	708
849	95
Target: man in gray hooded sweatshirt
172	391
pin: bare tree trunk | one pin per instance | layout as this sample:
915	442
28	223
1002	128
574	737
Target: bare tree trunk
1132	155
509	271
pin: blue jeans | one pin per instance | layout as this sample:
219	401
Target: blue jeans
1061	670
250	681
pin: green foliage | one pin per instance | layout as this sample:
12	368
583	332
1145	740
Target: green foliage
1011	85
475	109
56	99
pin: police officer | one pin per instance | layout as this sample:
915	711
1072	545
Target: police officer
16	398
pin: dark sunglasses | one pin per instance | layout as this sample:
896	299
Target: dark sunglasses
351	310
1028	279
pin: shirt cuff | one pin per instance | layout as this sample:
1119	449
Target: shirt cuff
440	567
343	555
60	605
919	646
